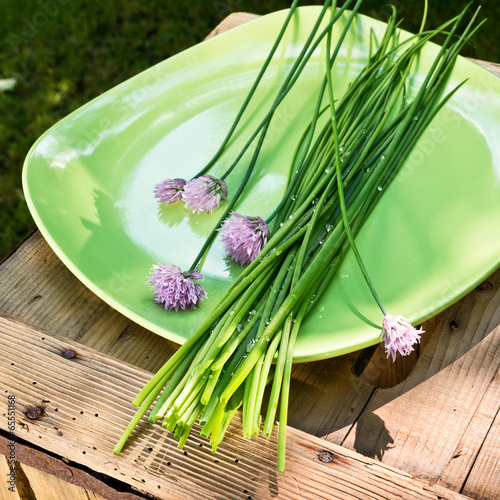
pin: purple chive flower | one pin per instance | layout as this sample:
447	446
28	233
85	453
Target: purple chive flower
174	289
399	336
169	190
204	193
244	237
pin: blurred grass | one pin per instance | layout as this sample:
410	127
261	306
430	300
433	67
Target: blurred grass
62	54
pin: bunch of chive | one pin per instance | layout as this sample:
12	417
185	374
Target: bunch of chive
348	155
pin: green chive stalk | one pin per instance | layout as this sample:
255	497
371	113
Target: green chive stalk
349	153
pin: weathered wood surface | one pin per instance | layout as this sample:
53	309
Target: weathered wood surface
48	487
33	484
441	424
33	465
85	408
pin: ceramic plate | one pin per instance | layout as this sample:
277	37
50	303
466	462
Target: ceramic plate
89	184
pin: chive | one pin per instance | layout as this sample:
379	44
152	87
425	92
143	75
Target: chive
349	153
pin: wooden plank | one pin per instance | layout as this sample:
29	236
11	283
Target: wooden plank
62	470
420	424
326	397
478	451
8	491
483	481
86	409
48	487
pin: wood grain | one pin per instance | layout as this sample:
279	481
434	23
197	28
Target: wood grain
475	461
48	487
18	492
450	398
86	409
483	480
31	461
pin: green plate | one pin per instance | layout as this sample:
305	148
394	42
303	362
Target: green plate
89	184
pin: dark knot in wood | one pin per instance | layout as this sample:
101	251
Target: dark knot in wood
485	286
325	456
34	412
68	354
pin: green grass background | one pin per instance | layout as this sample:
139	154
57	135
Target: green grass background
63	53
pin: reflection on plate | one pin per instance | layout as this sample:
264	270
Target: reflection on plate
89	180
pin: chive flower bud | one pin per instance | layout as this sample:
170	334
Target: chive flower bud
243	237
399	336
204	193
169	190
174	289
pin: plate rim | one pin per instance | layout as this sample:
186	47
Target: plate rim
168	334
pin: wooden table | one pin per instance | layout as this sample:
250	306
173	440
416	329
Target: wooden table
73	365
